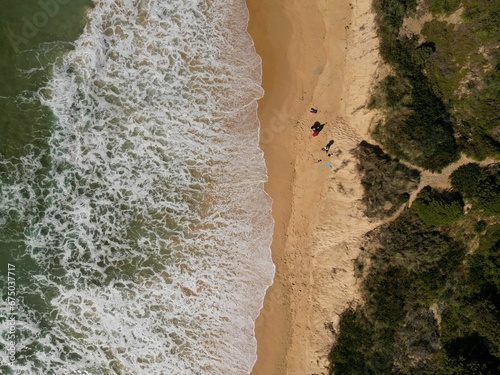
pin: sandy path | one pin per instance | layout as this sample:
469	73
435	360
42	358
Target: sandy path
320	54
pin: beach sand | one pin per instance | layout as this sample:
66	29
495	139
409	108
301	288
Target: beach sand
321	54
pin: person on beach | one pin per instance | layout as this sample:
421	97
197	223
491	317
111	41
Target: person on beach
316	128
313	110
327	147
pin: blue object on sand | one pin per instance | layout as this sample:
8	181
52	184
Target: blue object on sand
328	164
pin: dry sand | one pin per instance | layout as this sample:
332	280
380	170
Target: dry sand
322	54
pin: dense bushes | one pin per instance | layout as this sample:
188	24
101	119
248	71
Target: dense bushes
390	15
481	185
423	252
483	15
414	272
467	179
418	126
442	6
428	307
468	82
395	331
471	312
387	183
451	96
437	208
354	339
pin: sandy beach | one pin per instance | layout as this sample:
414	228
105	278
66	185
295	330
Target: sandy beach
321	54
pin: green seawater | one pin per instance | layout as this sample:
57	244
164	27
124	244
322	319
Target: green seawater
33	35
134	231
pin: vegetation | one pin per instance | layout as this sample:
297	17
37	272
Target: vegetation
471	312
436	208
387	183
418	127
354	342
442	6
468	82
479	227
408	272
443	96
431	297
430	279
415	274
480	185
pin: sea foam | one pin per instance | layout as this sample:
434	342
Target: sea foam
146	221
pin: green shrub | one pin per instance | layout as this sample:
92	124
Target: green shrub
386	182
361	347
443	96
437	208
483	16
386	305
394	331
426	255
480	226
420	130
470	354
468	82
418	353
479	184
403	198
447	66
471	314
443	6
353	342
467	179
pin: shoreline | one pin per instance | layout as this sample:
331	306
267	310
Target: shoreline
321	54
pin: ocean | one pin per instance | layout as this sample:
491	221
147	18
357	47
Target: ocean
134	229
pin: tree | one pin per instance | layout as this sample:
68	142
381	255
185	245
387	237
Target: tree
479	184
436	208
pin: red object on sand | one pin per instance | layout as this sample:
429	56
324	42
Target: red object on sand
315	133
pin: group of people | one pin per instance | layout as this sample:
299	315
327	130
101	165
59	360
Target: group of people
316	129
